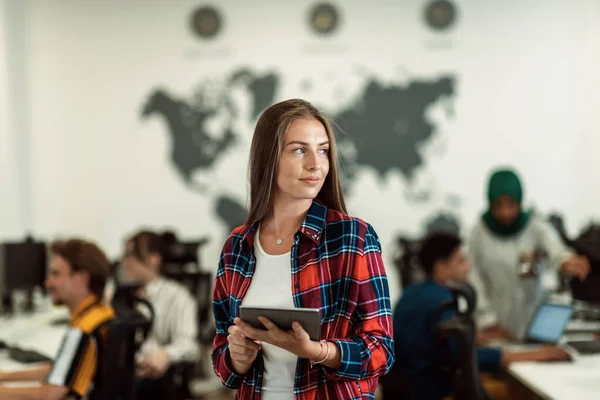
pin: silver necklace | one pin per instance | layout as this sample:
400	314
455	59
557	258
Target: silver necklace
280	240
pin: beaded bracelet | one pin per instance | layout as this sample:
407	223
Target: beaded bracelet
312	363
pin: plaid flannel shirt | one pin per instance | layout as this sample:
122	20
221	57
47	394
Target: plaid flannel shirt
336	266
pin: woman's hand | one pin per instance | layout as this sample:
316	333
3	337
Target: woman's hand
578	266
243	351
296	341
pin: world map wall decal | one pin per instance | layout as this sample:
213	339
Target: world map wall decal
383	130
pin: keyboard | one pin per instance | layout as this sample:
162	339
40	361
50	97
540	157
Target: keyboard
27	356
59	322
583	326
585	346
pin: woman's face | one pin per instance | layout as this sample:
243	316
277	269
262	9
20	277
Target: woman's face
304	161
505	210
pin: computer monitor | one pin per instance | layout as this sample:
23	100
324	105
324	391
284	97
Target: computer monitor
183	256
22	266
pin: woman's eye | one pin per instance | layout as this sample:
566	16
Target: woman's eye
299	151
324	151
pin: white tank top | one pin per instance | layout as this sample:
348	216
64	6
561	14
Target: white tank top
271	286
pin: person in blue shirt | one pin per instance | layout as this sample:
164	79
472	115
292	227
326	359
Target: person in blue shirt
419	358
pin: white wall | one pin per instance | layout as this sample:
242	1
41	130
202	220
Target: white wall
13	214
524	75
592	141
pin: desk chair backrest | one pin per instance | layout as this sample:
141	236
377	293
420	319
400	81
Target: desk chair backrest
125	335
206	331
407	262
457	335
587	244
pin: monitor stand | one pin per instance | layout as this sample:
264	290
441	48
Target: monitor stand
7	304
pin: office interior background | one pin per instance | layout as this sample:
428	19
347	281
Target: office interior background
116	115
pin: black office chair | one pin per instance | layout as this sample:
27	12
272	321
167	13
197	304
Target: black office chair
199	283
407	262
126	333
587	244
181	263
396	385
460	330
203	295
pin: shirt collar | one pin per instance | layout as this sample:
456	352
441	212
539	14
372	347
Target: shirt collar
82	307
311	227
153	287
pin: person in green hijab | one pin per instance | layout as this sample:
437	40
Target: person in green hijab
510	247
505	216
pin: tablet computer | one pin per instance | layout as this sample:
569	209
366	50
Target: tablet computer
309	318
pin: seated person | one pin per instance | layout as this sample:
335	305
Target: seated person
173	337
76	279
418	354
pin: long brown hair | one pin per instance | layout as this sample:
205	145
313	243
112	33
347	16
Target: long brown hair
265	150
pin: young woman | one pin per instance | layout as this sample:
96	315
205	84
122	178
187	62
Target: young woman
504	246
299	248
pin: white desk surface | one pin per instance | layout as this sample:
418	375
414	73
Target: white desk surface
579	379
31	332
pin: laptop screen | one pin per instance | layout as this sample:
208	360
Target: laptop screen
549	323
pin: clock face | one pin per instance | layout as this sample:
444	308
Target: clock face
440	14
206	22
324	18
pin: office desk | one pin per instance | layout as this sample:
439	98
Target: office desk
575	380
32	332
579	379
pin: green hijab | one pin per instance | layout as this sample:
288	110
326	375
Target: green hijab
505	183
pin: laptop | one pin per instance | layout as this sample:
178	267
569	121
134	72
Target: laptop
546	327
548	323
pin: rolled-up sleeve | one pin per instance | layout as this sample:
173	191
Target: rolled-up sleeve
369	352
220	356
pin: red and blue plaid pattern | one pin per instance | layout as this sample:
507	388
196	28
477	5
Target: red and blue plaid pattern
337	267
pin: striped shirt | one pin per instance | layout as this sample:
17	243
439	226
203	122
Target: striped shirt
77	363
336	266
175	326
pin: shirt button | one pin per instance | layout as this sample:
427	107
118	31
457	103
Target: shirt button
297	285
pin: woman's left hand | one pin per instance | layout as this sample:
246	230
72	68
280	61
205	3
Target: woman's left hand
296	341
